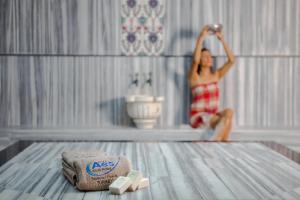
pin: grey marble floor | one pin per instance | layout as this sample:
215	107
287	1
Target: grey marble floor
177	170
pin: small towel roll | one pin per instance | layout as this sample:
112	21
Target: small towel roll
98	174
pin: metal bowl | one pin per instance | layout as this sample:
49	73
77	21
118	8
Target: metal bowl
213	28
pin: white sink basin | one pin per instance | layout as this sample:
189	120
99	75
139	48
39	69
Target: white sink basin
144	109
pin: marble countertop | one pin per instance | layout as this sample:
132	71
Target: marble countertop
177	170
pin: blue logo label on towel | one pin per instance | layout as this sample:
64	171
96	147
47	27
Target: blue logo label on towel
100	168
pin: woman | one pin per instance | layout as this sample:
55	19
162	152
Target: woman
203	82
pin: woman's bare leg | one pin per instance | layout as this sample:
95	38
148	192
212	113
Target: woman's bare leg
222	123
227	114
228	130
217	123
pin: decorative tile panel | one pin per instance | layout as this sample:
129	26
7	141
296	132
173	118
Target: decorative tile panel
142	27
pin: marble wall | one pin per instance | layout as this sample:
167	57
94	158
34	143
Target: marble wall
61	62
93	27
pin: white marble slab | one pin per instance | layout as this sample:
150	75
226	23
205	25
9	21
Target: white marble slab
176	170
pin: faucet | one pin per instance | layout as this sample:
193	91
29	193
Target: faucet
149	80
136	80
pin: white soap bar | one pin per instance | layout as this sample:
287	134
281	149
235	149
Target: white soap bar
135	177
143	183
120	185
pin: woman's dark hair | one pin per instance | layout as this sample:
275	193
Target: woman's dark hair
199	66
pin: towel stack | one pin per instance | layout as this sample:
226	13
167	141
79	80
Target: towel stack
93	170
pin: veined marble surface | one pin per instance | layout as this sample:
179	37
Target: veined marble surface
177	170
60	27
50	91
93	27
255	27
60	63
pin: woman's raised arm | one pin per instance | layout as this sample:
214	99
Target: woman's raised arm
197	52
231	59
